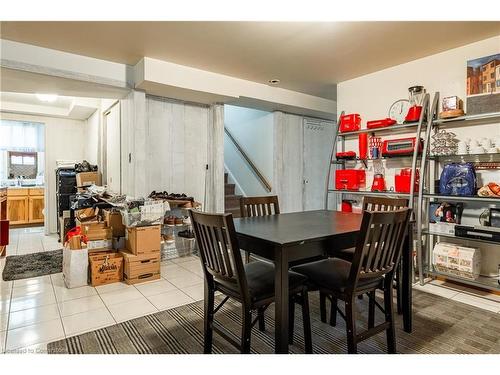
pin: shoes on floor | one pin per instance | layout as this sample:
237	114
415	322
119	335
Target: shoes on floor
188	233
168	238
173	221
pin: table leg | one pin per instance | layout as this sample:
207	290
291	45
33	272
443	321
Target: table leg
281	301
406	280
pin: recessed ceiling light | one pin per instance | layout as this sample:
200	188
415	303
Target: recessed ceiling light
49	98
274	81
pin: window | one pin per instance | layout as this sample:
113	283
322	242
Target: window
492	75
22	164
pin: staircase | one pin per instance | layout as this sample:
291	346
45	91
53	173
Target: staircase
231	201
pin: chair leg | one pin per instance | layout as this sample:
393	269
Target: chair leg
262	322
246	330
399	289
350	316
208	318
389	317
306	322
247	257
322	306
291	319
371	309
333	312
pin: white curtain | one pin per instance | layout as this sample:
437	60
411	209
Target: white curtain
22	136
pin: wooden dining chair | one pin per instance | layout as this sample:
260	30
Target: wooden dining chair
373	204
258	206
250	284
376	257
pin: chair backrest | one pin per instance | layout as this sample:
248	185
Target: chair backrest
372	203
259	206
219	250
379	247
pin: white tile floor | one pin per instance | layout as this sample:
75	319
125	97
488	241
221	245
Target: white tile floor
36	311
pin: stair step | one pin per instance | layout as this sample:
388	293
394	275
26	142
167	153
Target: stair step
235	211
232	201
229	189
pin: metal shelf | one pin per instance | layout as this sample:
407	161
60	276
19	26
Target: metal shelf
363	192
481	282
486	157
467	118
429	233
341	161
457	198
387	129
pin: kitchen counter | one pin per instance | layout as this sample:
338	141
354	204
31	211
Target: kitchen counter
26	187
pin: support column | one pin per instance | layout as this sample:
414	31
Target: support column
214	191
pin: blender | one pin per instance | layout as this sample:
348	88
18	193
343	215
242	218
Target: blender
416	96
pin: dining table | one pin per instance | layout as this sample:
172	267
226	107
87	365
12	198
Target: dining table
292	238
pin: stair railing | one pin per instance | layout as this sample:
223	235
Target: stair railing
249	161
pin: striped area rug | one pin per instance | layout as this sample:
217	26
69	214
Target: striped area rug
440	326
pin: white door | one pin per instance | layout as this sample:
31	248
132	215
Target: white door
112	152
318	141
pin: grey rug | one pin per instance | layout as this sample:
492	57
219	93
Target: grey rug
32	265
440	326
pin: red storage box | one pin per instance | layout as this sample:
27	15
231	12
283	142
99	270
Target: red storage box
350	123
403	179
350	179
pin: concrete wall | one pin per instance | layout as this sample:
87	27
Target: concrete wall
253	130
176	147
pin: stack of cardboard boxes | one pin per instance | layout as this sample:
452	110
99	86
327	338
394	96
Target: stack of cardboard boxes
101	231
85	179
142	257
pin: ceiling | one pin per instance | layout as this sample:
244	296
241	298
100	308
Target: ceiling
306	56
31	99
64	106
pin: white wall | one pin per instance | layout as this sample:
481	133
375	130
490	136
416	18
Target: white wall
92	129
253	130
63	140
371	96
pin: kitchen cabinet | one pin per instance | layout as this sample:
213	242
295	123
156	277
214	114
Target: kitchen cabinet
25	206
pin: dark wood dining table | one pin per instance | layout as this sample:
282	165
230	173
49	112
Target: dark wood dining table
289	238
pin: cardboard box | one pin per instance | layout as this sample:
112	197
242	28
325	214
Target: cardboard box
75	243
63	221
86	215
99	245
140	268
105	268
97	231
85	179
144	240
114	221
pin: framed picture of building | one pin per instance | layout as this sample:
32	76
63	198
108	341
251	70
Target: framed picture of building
483	85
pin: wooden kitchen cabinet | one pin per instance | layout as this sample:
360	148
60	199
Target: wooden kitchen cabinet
25	206
35	208
17	209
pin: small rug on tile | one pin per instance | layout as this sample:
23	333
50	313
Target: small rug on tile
19	267
440	326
